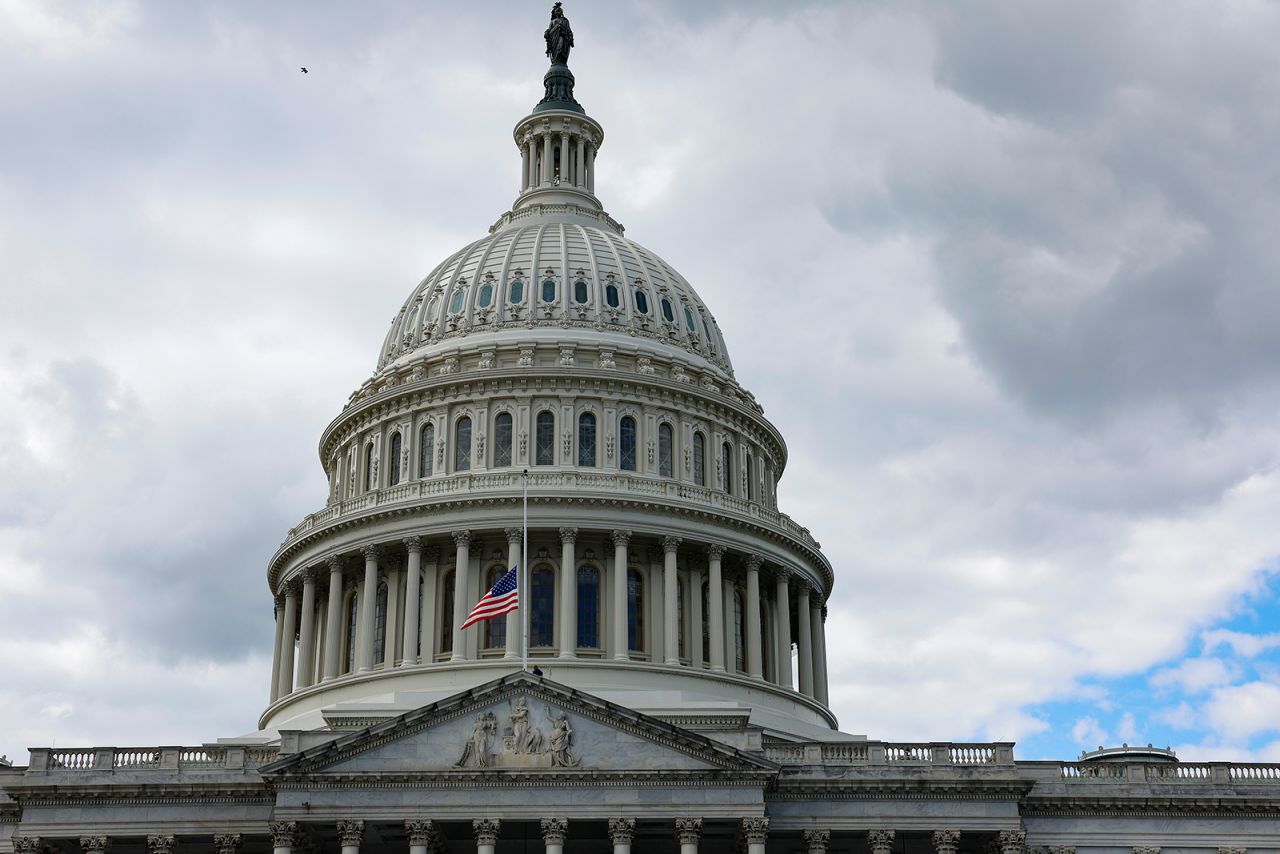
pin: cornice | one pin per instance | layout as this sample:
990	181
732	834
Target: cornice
1236	807
505	779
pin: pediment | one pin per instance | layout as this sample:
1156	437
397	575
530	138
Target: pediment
519	723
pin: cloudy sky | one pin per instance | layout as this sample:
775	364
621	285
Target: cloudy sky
1005	275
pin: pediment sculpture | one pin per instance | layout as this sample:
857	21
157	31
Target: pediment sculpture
519	742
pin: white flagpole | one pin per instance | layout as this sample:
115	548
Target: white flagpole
525	603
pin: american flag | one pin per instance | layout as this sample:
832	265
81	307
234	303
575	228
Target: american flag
503	597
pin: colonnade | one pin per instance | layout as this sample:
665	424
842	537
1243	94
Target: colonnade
317	638
558	157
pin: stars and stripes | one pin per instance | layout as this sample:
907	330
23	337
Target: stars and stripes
502	598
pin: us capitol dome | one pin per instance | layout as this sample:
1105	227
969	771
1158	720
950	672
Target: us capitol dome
676	695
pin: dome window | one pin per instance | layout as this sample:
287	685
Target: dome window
502	440
711	339
667	313
699	460
515	292
485	299
548	290
433	309
611	295
393	467
587	439
627	444
462	444
688	320
426	444
665	442
545	440
455	302
642	302
580	294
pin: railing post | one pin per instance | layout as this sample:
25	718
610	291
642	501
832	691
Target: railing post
940	753
104	759
1004	754
39	760
1220	772
169	757
876	753
1136	773
813	754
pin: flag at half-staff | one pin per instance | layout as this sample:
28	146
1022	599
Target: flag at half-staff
502	598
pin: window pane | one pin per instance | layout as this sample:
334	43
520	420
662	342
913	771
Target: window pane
446	614
699	460
635	611
495	630
462	445
455	302
515	293
739	656
751	476
545	452
627	444
486	295
370	468
586	439
611	296
642	302
548	290
433	309
542	595
426	457
726	463
380	625
664	450
502	440
351	635
580	291
588	607
393	463
667	313
688	319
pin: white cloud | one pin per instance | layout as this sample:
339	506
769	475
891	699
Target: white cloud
1195	675
1241	643
1088	733
1243	711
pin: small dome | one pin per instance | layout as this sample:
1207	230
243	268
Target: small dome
550	273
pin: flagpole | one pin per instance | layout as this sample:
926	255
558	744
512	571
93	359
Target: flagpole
526	604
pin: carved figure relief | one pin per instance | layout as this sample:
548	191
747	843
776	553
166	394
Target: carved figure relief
476	752
561	741
519	744
486	360
524	737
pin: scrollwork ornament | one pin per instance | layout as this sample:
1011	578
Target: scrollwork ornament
671	544
816	841
755	829
418	831
621	538
350	832
227	843
514	535
554	830
568	535
1012	841
95	844
1146	849
688	830
486	830
28	845
161	843
880	841
622	830
946	841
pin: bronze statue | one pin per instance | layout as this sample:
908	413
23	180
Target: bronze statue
559	37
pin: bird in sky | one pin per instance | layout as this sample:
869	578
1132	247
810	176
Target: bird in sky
304	70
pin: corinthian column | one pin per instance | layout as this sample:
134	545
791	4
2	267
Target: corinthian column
880	841
368	595
568	593
333	620
286	641
553	834
515	619
688	832
463	541
279	650
804	642
715	606
621	647
670	600
227	843
755	668
412	597
282	836
783	611
419	834
819	645
946	841
98	844
306	650
486	830
816	841
622	831
755	831
1012	841
161	843
350	833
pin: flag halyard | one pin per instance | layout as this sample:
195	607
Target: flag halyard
502	598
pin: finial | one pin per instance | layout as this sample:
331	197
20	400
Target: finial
559	37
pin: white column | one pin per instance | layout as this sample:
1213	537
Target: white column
282	834
880	841
486	830
307	649
368	595
946	841
427	639
819	651
286	640
412	593
754	664
730	634
715	606
697	655
670	597
755	831
279	650
591	168
579	176
622	831
688	832
568	593
804	639
460	587
621	648
524	168
391	630
350	834
554	831
333	620
418	833
515	619
564	157
783	611
546	159
531	177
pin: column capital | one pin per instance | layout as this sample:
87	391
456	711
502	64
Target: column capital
418	831
755	829
1146	849
671	544
334	562
945	841
715	551
283	833
94	844
554	830
461	538
370	551
754	562
27	844
621	538
311	573
350	832
1071	849
801	585
568	535
1011	841
1059	849
486	830
431	554
782	574
227	843
880	841
161	843
622	830
413	544
514	535
816	841
688	830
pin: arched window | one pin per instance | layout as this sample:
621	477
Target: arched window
545	439
462	444
502	439
642	301
627	444
393	459
485	298
580	293
635	610
542	614
350	639
446	612
751	477
495	630
611	295
370	467
586	439
548	290
668	314
739	629
699	460
455	301
380	626
588	606
726	463
515	291
426	450
665	437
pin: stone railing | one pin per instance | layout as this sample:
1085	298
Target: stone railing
508	481
886	753
1167	772
149	758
